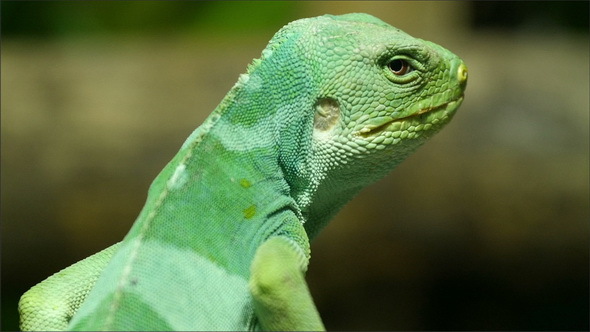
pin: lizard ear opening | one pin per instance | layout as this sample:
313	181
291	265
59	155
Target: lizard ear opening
327	113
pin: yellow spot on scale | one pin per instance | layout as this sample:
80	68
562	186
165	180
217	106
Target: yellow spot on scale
250	212
245	183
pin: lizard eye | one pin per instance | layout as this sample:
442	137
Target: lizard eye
400	67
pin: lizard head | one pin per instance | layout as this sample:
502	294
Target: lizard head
381	94
375	94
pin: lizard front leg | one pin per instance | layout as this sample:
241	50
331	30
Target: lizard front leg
282	301
50	304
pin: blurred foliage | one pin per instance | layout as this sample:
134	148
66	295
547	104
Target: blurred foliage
65	18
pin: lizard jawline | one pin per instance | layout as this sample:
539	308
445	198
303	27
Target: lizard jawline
368	131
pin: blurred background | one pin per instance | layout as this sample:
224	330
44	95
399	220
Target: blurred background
486	227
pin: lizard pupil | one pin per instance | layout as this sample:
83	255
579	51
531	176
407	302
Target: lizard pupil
399	67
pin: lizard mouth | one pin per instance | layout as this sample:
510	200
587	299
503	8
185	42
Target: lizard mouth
430	109
426	116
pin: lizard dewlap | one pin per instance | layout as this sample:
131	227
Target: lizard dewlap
333	104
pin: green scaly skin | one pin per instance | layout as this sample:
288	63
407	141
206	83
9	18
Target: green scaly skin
333	104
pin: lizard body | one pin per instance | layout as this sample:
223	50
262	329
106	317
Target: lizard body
333	104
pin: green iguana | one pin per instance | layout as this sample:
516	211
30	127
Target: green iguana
222	243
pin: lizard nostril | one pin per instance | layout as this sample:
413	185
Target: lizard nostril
462	73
